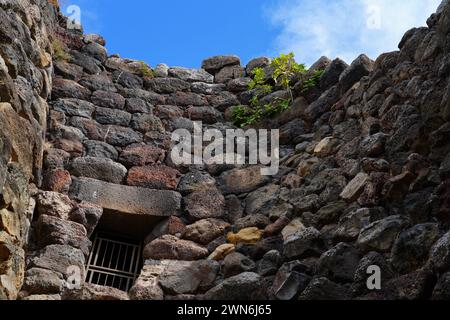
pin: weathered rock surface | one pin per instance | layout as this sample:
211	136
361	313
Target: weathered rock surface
126	199
363	176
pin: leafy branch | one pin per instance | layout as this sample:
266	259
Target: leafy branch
284	69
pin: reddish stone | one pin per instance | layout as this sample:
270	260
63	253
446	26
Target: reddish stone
141	155
57	180
291	181
205	203
175	226
171	248
154	177
75	148
276	227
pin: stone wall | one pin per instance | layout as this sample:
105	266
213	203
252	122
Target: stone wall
25	84
364	178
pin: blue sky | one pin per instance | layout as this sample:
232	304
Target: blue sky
184	32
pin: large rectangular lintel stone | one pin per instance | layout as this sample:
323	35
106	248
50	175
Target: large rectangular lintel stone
126	199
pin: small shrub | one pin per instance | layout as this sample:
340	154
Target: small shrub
312	81
259	81
146	71
60	51
244	116
284	70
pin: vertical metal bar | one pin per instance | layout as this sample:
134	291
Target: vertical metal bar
94	255
111	255
118	256
125	258
132	260
138	258
104	256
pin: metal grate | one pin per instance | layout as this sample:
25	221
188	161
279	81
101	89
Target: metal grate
113	263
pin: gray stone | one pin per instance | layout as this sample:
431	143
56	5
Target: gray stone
206	230
207	88
141	155
305	242
128	80
134	105
74	107
412	247
208	115
99	149
99	168
166	85
359	68
54	204
108	99
440	253
355	187
161	70
59	258
68	70
191	75
229	73
270	263
215	64
252	220
89	38
239	84
98	82
147	285
169	247
289	282
262	200
236	263
42	281
92	292
242	180
90	65
88	215
133	200
324	289
351	224
205	203
52	230
223	100
63	88
380	235
151	98
112	116
121	136
339	263
182	277
96	51
332	73
261	62
442	289
180	98
146	122
195	180
241	287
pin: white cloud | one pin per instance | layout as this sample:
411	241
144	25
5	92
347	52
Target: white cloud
345	28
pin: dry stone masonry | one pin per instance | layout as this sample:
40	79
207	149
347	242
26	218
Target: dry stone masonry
85	142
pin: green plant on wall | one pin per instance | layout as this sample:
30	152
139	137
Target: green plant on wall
146	71
60	51
284	69
312	81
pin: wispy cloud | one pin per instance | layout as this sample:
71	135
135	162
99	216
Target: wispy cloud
345	28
